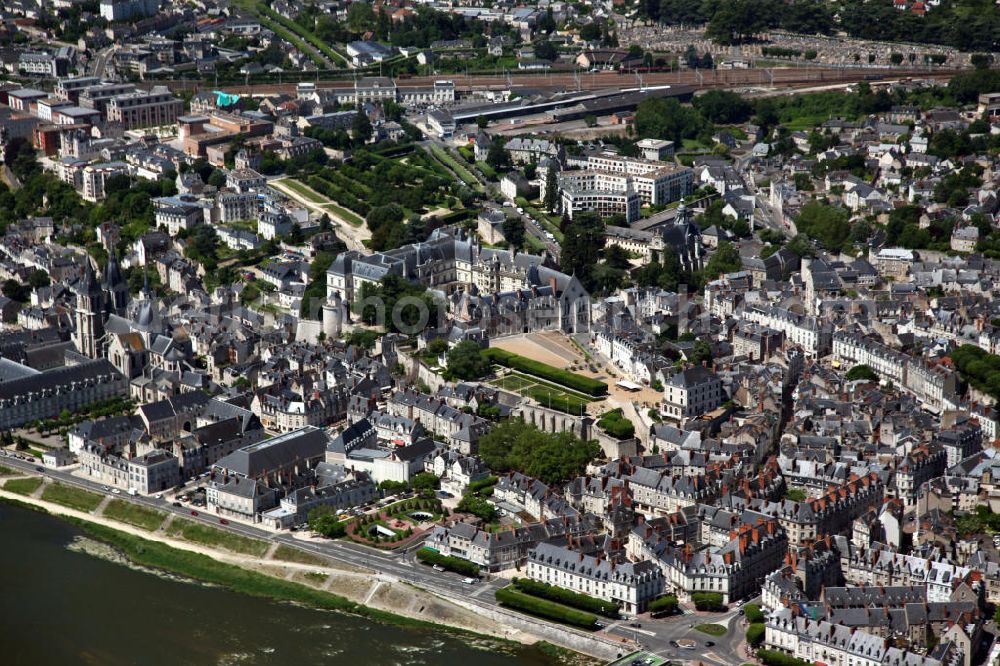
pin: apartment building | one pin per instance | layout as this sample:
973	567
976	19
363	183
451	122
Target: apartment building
810	333
153	108
736	569
153	472
604	194
506	549
691	393
94	177
819	641
630	584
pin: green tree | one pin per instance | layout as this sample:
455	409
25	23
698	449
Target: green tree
465	361
725	259
425	481
361	128
582	243
513	231
497	156
479	507
360	17
38	278
545	50
723	106
399	305
825	223
552	188
514	445
864	372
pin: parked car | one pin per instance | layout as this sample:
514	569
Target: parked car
223	521
438	567
115	491
469	581
194	513
178	504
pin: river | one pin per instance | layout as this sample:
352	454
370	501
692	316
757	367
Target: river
61	606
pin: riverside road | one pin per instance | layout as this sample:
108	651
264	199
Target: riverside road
652	635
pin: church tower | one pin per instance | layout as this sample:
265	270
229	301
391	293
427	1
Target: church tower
88	333
115	286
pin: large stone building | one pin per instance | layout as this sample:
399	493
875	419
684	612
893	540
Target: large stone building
632	585
449	261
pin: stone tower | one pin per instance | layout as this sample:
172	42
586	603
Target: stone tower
115	286
88	333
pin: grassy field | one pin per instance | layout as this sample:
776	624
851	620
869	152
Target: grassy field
23	486
303	191
74	498
544	393
453	164
712	629
344	214
210	536
315	197
6	471
134	514
289	554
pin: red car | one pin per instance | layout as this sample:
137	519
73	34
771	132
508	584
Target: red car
223	521
194	513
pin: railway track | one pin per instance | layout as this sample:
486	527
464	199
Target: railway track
700	79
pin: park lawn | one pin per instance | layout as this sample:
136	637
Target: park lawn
554	387
712	629
344	214
513	383
548	395
74	498
289	554
210	536
694	144
452	163
134	514
303	190
23	486
6	471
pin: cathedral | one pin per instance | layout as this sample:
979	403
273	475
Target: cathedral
132	334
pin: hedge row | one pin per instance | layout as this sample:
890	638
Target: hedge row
566	597
476	486
775	658
458	565
456	216
664	606
346	199
708	601
753	613
545	609
544	371
755	634
393	151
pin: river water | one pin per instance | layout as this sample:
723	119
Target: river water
60	606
